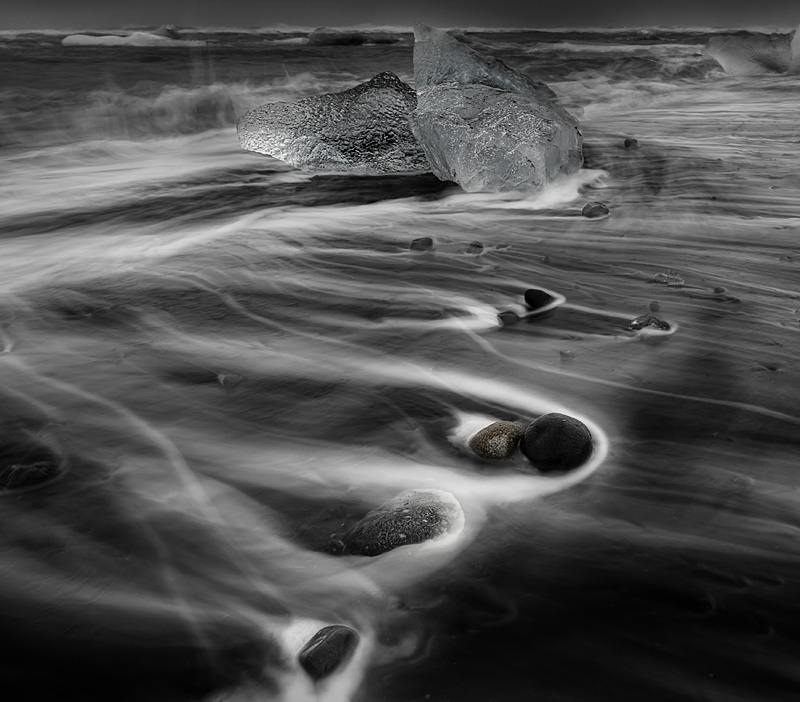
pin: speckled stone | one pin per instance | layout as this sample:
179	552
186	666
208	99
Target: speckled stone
671	279
329	649
474	247
593	210
411	517
21	476
498	440
649	320
631	143
363	130
556	442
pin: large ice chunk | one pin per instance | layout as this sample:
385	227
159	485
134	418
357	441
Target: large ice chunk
362	130
483	124
752	54
487	139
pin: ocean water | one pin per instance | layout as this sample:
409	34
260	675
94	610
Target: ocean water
232	361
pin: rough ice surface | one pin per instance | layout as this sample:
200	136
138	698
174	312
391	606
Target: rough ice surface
362	130
752	55
484	125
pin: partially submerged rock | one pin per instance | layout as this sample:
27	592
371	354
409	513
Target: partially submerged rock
19	476
671	279
497	441
329	649
508	318
485	125
595	210
424	243
536	299
649	320
411	517
362	130
556	442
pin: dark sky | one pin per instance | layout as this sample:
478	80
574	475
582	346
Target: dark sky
78	14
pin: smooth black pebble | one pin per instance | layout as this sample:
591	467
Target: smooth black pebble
330	649
556	442
536	298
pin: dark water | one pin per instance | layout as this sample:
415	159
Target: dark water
232	362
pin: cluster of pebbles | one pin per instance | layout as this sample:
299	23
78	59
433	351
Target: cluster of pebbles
553	443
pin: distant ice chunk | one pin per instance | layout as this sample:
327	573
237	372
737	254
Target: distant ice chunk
168	31
752	54
362	130
133	39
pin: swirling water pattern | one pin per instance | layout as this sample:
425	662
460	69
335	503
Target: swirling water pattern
235	361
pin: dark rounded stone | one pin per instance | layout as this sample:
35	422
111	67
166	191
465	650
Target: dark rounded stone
475	247
631	143
507	318
536	298
593	210
720	290
649	320
20	476
330	649
655	306
556	442
498	440
424	243
411	517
